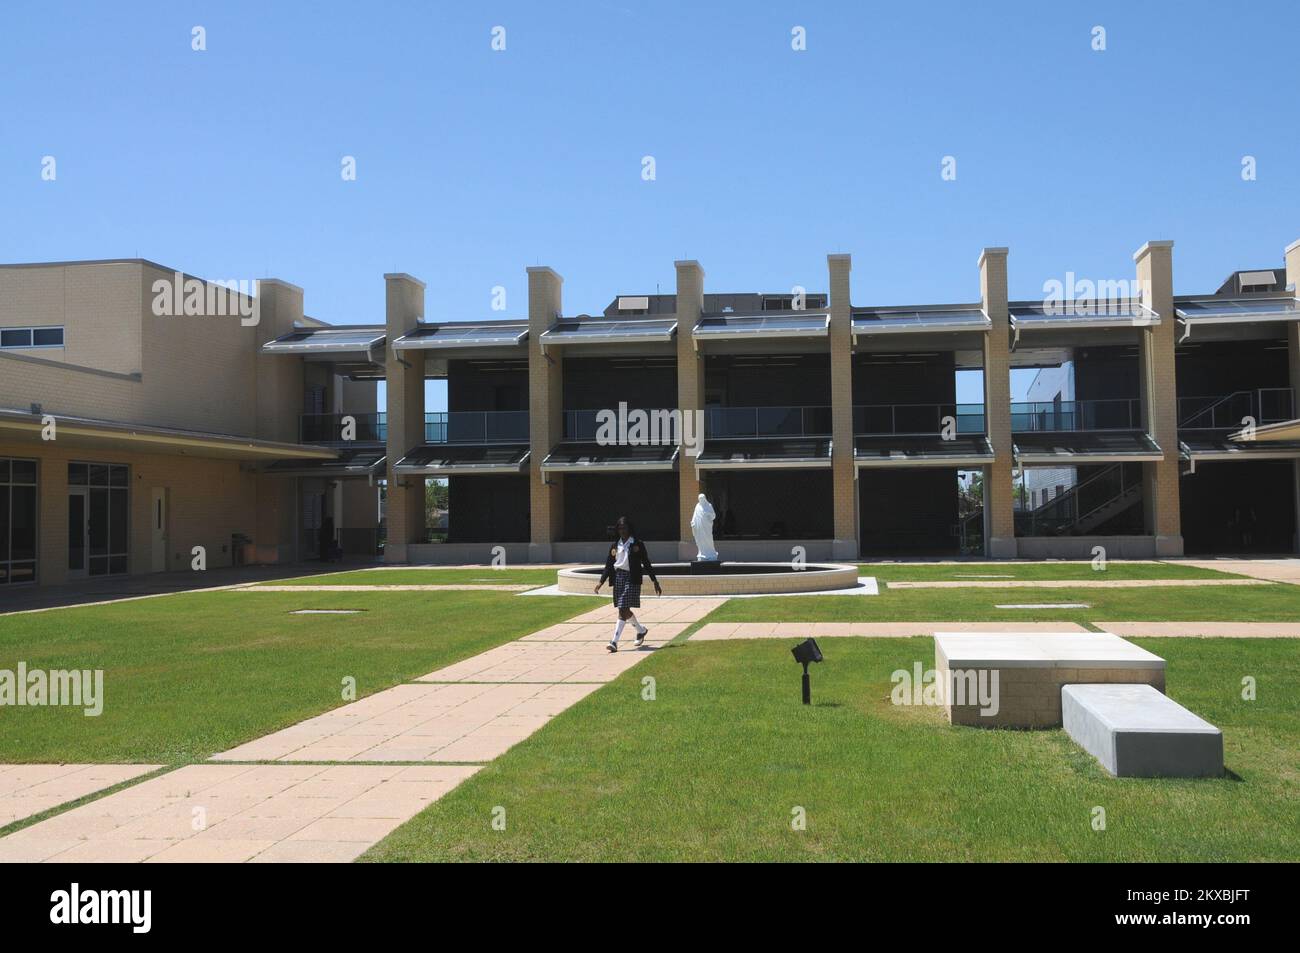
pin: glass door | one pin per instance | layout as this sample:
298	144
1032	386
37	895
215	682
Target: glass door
78	531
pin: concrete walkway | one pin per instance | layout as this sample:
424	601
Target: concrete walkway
30	789
416	587
1074	583
467	713
1273	570
720	631
1204	630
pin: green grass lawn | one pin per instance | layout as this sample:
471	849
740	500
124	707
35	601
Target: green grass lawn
713	768
1266	603
424	577
1045	572
189	675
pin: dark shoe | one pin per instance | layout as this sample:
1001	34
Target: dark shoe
640	638
611	647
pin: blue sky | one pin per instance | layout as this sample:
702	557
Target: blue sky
473	164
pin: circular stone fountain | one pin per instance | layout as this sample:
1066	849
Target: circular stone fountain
725	579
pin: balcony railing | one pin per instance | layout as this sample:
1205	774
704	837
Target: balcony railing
722	422
477	426
873	419
662	423
1113	414
335	428
1229	411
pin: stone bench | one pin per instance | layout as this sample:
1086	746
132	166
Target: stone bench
1138	732
1031	668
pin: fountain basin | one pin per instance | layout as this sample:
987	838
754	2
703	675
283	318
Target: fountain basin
727	579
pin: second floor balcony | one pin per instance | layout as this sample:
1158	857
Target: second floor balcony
917	419
469	427
743	422
1264	405
1076	415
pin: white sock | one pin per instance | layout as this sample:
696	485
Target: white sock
618	630
640	629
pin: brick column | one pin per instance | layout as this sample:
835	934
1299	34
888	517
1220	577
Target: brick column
404	511
998	491
843	472
1155	275
1293	354
279	405
690	395
545	417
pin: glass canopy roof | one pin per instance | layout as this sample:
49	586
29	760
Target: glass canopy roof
1113	446
613	457
764	453
609	331
461	459
913	451
332	340
919	320
721	327
463	334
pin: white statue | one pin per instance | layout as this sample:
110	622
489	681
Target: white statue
702	528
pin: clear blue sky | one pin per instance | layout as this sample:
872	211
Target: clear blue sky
473	164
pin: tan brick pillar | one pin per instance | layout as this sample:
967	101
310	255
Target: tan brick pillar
1293	353
690	397
1155	275
404	511
844	482
998	490
279	406
546	413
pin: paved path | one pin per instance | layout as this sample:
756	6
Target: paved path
28	789
717	631
1204	630
1074	583
467	713
1273	570
383	587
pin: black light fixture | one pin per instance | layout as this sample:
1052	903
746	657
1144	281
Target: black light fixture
805	652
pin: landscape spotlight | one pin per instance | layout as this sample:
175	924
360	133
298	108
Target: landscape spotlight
805	652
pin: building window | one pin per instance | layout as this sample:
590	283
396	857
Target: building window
28	338
17	521
106	535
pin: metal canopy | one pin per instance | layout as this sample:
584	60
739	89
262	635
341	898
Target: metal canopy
359	462
579	457
765	454
445	459
1062	447
1211	445
463	334
358	344
1246	310
945	318
737	327
922	451
1079	316
600	330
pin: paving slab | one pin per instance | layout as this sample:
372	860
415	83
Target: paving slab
718	631
1138	732
1273	570
1075	583
461	722
30	789
548	662
602	631
1204	630
232	813
384	587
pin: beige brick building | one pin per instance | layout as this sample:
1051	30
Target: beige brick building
143	428
137	424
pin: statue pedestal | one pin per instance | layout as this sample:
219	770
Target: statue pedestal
705	567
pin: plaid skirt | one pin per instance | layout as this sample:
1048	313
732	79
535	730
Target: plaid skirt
627	594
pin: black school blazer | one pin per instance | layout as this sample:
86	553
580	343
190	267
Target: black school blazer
638	563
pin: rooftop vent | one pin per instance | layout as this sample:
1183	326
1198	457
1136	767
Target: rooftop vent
1256	280
635	303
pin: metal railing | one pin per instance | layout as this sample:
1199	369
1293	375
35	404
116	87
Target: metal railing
342	428
585	425
1076	415
1229	411
1060	514
721	422
871	419
477	426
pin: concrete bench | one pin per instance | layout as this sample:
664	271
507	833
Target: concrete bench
1138	732
1031	668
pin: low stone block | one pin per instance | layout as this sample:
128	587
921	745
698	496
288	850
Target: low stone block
1137	732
